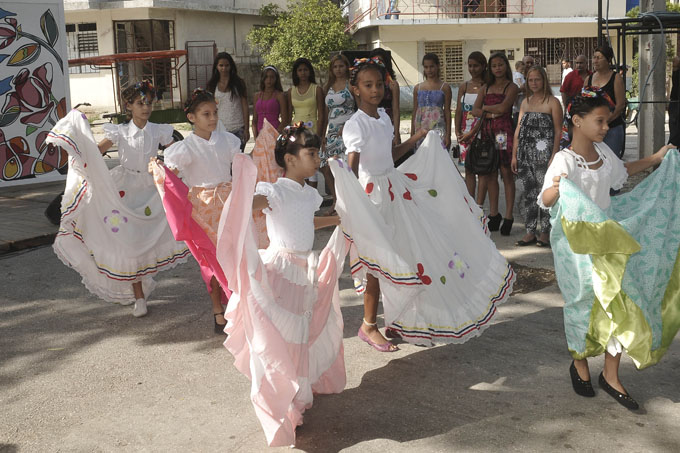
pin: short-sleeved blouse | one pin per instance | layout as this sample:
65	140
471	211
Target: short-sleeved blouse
290	215
136	146
594	183
372	137
204	163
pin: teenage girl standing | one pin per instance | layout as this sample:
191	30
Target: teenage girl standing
495	102
270	102
340	106
465	120
432	99
231	97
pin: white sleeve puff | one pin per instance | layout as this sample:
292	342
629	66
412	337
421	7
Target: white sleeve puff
165	134
352	136
177	156
112	132
233	141
270	191
558	167
619	174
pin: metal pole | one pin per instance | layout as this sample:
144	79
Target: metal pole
599	22
652	116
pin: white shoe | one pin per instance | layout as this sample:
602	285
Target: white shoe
125	303
140	308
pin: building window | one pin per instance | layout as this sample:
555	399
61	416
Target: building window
82	42
549	52
450	55
144	36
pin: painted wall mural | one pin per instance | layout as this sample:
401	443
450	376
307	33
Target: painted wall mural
33	87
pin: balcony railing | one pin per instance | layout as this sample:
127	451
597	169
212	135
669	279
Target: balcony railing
360	10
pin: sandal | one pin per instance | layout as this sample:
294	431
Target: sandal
386	347
523	243
542	244
219	328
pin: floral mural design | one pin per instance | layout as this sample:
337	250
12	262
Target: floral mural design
32	98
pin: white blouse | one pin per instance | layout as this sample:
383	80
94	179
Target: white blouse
372	137
229	110
290	215
595	183
136	146
204	163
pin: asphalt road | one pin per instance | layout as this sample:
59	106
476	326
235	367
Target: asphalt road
81	375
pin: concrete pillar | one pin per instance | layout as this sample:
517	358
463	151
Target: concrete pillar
652	116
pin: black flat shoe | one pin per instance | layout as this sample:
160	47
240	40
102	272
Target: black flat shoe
523	243
507	226
495	222
581	387
624	400
219	328
543	244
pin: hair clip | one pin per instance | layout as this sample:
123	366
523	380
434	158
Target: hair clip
362	61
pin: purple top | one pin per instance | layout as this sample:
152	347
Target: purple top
269	109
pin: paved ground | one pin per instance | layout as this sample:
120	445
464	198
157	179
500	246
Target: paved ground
81	375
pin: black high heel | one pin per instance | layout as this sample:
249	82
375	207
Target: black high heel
507	226
624	400
495	221
581	387
219	328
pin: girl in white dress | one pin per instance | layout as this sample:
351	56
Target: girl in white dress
284	321
420	206
113	229
595	169
203	161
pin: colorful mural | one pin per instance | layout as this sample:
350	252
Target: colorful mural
33	88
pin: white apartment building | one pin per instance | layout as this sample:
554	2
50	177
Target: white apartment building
549	30
202	27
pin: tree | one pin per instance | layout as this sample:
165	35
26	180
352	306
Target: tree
309	28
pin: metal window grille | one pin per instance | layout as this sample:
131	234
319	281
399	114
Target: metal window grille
450	55
82	42
144	36
549	52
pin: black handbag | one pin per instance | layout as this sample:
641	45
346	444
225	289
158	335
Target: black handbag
482	157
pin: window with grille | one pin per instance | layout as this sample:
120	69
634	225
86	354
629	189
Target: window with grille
450	55
549	52
81	40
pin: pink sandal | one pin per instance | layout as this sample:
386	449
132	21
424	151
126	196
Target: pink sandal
386	347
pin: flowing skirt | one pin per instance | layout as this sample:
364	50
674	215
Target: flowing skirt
425	214
113	230
619	270
283	319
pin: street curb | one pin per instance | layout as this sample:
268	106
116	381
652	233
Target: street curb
23	244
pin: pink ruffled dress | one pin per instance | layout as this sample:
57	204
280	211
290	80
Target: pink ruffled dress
283	319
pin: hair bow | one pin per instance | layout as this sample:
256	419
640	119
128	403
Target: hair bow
373	60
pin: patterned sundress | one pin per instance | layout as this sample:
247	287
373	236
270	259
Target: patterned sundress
430	112
536	140
469	121
341	107
500	129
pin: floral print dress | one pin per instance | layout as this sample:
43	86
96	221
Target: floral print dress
430	112
341	107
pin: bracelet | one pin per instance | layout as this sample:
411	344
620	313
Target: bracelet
371	324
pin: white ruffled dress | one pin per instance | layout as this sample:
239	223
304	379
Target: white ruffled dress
113	228
423	211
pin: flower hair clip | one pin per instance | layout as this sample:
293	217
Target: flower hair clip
289	132
361	61
194	94
146	90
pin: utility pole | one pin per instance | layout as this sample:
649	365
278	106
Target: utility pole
652	117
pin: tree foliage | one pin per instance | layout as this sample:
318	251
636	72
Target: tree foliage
308	28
